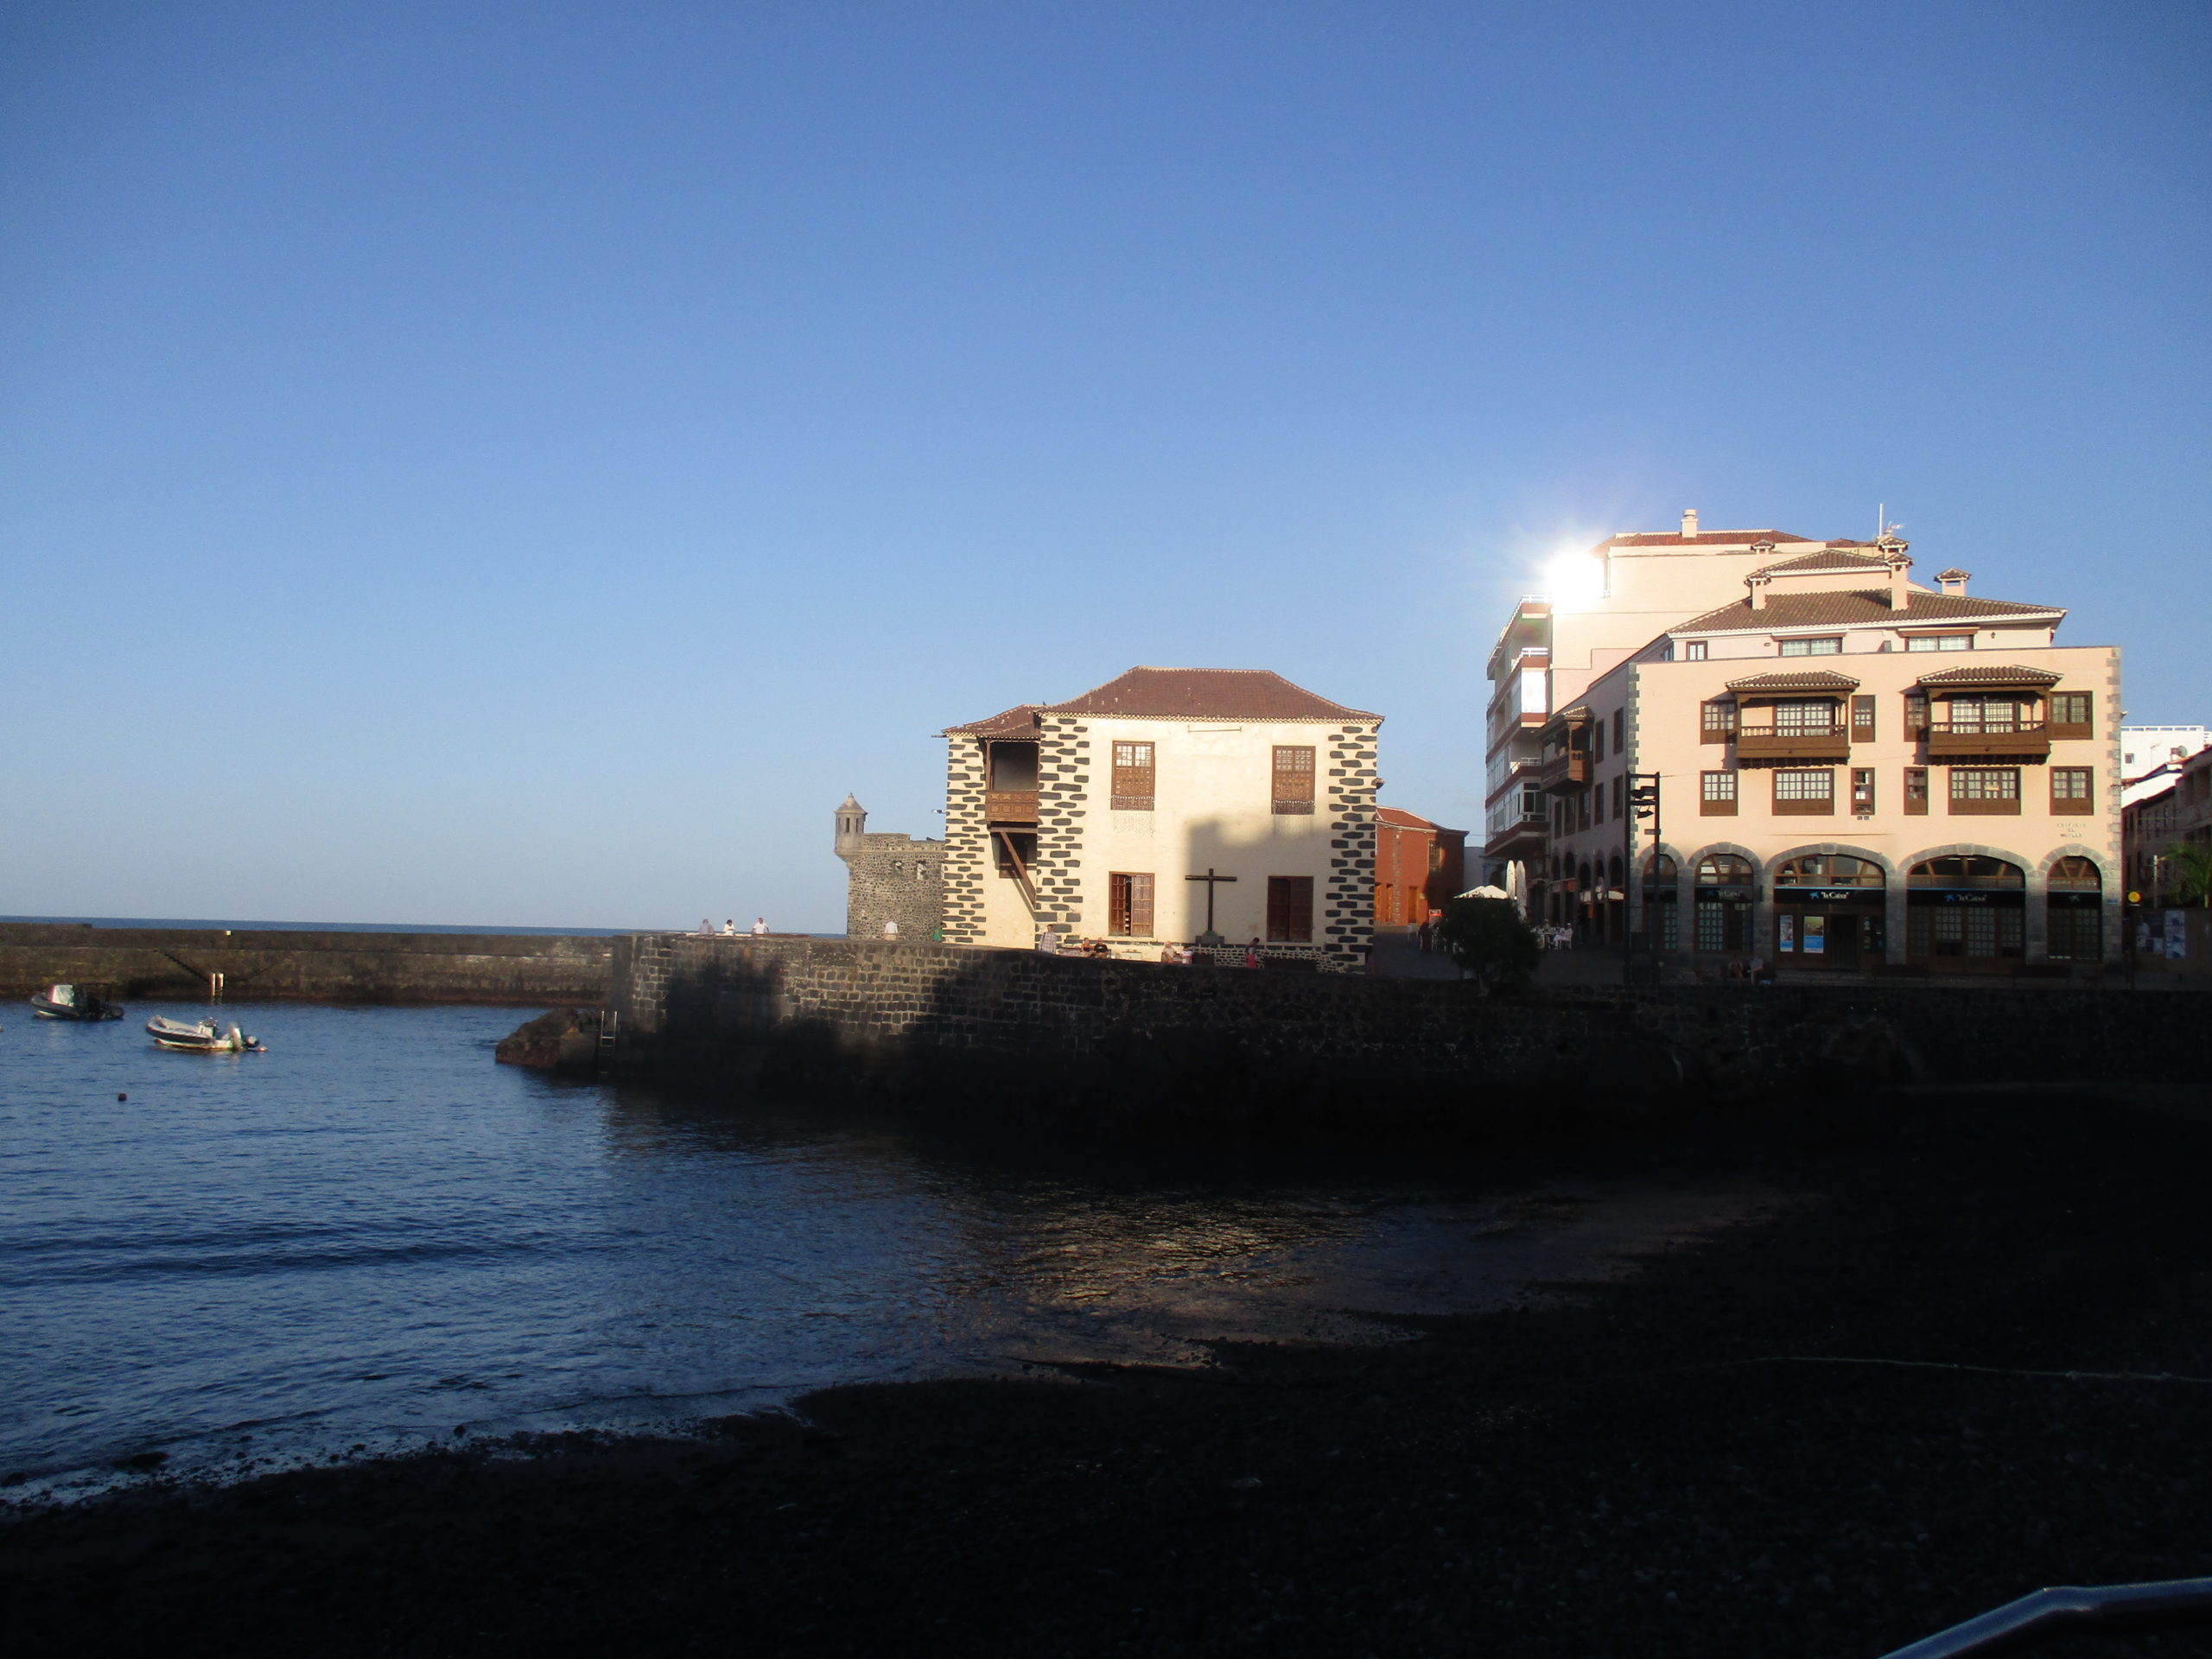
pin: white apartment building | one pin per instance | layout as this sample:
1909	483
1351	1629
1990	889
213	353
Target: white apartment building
1855	771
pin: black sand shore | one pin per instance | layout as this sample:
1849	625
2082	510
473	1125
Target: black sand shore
1673	1464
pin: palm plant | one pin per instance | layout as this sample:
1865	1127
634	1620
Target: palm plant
2188	867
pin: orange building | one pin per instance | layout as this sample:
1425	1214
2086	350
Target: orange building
1418	865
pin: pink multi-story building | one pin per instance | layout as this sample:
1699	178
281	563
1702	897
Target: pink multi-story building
1855	770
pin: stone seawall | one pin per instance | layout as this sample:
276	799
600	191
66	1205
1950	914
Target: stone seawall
309	967
1014	1029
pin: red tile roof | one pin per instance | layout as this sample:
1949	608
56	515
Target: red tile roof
1831	559
1819	680
1405	820
1206	694
1841	608
1993	675
1703	538
1019	722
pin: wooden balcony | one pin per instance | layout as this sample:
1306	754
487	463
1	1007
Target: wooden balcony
1564	771
2024	740
1010	806
1764	743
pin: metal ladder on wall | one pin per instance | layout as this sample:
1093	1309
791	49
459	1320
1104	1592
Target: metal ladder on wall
610	1026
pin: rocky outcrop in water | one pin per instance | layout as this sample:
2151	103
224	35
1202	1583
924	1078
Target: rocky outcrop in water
565	1041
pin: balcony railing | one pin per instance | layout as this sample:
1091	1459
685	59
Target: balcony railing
2018	737
1010	806
1563	769
1797	743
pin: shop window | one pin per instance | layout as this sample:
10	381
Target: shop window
1661	910
1723	893
1966	906
2076	911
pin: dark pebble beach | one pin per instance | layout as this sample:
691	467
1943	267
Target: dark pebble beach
1972	1356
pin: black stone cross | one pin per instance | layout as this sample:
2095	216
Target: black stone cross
1210	937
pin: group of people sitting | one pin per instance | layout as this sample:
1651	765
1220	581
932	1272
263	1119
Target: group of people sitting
729	927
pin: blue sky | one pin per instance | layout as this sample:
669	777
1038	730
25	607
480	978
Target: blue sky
523	464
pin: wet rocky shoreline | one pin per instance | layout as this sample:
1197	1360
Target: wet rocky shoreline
1714	1456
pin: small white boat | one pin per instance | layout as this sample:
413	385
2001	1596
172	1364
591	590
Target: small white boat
205	1037
68	1002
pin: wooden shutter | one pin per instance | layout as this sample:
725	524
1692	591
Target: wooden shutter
1290	909
1133	776
1294	779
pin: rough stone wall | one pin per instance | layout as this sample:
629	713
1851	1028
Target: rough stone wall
1348	911
265	966
1010	1030
894	878
968	852
1064	770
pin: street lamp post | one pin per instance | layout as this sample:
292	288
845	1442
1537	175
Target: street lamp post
1643	804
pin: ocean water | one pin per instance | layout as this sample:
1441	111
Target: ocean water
373	1236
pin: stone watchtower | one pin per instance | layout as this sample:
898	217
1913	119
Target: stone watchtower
889	878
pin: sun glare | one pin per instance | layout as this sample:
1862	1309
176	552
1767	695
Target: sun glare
1575	581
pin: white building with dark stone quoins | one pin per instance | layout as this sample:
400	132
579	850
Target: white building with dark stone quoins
1118	815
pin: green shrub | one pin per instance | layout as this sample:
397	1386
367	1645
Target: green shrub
1488	940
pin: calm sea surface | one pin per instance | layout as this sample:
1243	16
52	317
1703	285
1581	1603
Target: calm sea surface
373	1235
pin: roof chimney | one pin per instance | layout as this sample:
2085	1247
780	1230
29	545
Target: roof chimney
1897	564
1954	580
1757	583
1689	523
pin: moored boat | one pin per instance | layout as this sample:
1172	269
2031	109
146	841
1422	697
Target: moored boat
68	1002
204	1038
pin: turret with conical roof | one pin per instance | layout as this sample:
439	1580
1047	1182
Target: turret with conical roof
852	827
